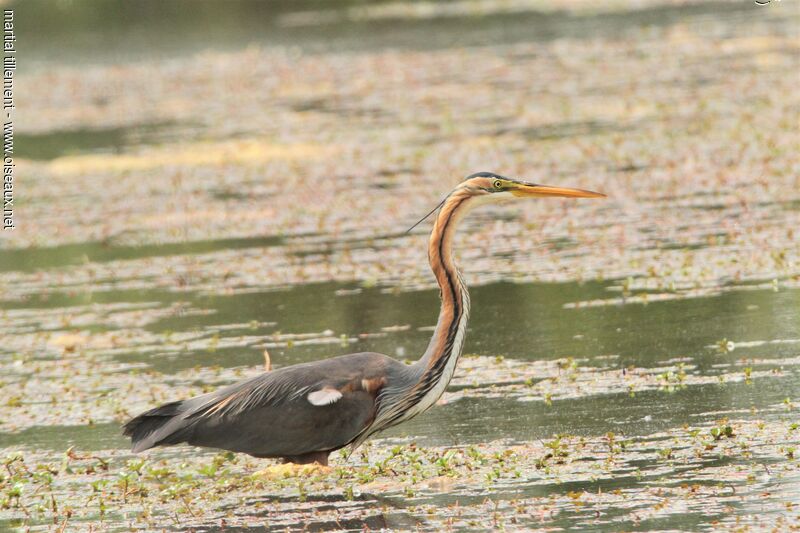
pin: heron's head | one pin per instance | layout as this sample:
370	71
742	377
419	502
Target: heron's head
492	186
487	187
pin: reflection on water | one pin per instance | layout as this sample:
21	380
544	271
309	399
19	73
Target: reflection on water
527	322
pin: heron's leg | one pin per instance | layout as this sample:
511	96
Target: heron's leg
320	458
299	465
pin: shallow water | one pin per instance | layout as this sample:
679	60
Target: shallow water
629	365
511	322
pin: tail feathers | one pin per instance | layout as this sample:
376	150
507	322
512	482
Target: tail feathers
159	426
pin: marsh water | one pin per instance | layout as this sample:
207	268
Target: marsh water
523	322
662	335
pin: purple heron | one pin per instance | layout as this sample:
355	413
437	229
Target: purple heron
302	413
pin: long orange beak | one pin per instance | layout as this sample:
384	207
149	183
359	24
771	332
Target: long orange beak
540	191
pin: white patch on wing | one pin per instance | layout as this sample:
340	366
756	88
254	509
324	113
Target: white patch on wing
324	396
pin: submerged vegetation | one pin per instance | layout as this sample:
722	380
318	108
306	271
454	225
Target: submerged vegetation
634	363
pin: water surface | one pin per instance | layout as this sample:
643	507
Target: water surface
629	365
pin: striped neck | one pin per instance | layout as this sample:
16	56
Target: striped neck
446	343
429	377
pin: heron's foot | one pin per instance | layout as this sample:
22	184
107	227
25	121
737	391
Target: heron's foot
288	470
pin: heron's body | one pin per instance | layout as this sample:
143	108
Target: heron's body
270	415
301	413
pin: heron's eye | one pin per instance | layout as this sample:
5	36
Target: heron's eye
498	184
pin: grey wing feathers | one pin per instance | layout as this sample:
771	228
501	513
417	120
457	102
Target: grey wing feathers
271	415
267	389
